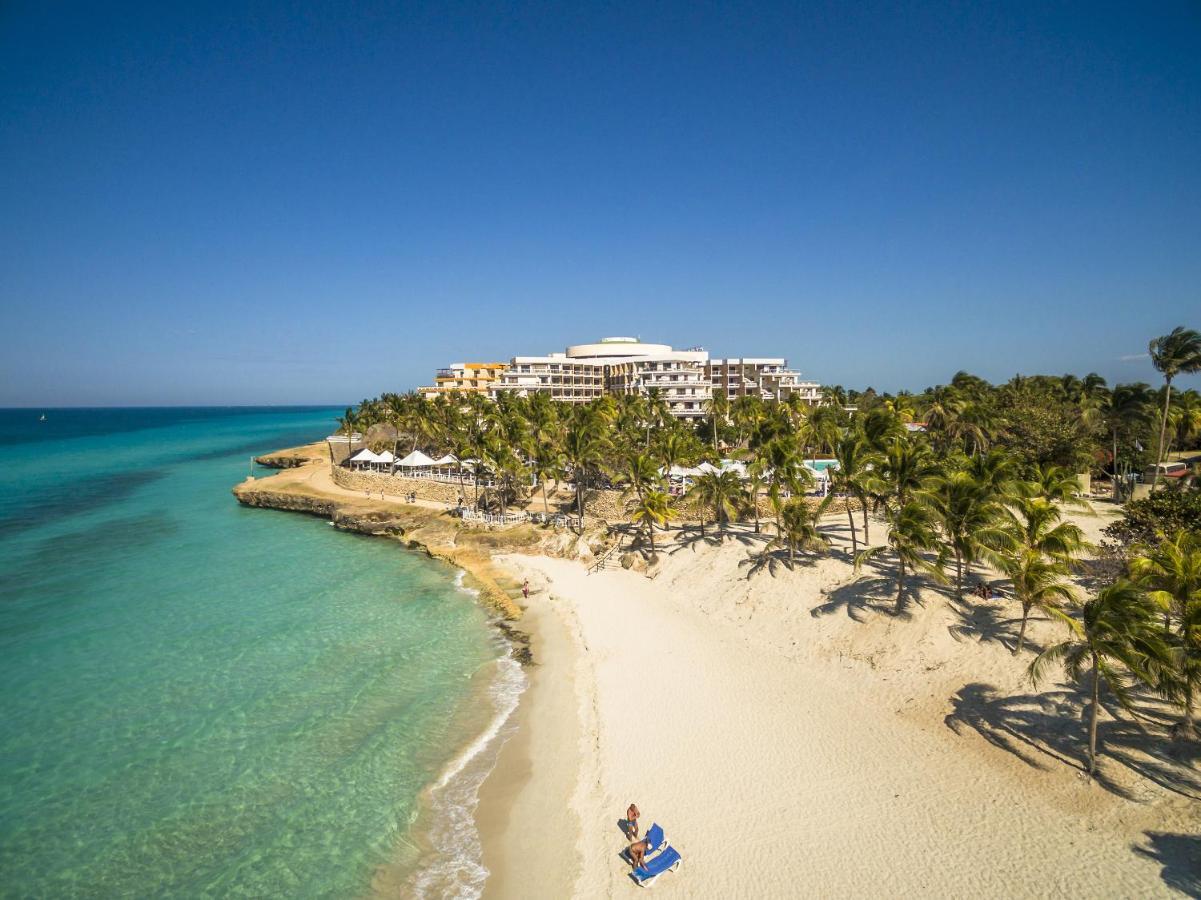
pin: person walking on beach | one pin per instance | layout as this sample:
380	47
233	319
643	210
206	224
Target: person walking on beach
632	815
525	589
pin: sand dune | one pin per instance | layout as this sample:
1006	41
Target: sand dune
795	739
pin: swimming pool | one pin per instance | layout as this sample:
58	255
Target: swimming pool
821	465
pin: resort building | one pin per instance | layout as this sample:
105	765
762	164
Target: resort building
469	378
684	379
768	379
616	365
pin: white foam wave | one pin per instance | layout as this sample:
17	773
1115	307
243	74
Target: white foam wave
457	870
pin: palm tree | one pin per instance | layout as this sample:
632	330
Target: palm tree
853	476
547	465
798	528
971	520
583	449
1173	354
1115	635
640	472
1171	572
1124	408
651	509
1041	549
1054	483
781	464
911	534
1187	425
718	407
721	492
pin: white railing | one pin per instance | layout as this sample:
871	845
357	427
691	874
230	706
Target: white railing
513	518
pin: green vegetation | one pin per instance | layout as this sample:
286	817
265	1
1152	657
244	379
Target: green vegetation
967	473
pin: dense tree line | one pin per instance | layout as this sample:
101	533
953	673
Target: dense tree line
961	475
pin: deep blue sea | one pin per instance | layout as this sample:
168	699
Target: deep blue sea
202	699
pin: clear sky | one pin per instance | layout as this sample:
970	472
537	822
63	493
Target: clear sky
249	203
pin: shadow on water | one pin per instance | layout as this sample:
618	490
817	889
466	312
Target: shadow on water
1180	858
70	498
1039	728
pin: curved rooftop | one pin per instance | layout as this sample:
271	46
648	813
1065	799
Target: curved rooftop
616	346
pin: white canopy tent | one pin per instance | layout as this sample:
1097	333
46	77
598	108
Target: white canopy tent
386	457
448	460
416	460
364	458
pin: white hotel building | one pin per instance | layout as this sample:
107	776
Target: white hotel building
684	379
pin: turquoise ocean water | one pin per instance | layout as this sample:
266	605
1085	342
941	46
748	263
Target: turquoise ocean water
200	699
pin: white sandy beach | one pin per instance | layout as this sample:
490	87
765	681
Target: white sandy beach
794	739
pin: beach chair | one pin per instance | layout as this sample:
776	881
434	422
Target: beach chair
667	861
655	839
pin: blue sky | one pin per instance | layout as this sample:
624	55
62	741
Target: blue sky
243	203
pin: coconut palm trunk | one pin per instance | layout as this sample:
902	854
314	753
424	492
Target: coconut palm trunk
1092	718
1163	432
1117	497
1187	729
867	537
854	533
958	574
900	607
1022	631
579	502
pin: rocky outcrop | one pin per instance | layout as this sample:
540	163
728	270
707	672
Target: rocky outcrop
420	529
293	457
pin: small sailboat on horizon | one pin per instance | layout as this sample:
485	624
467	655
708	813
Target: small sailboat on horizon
42	418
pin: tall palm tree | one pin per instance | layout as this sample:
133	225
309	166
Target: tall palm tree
547	465
853	476
718	407
971	520
781	465
1037	560
651	509
1171	573
1114	637
1178	352
1125	408
583	450
721	492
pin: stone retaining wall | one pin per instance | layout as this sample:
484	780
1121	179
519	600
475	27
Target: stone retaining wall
607	505
398	486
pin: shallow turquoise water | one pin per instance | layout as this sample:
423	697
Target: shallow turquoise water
201	699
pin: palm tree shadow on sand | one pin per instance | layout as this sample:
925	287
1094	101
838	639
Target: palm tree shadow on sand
1179	855
772	561
1041	728
872	593
690	537
989	622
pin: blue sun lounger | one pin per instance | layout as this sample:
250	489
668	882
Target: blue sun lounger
655	839
667	861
